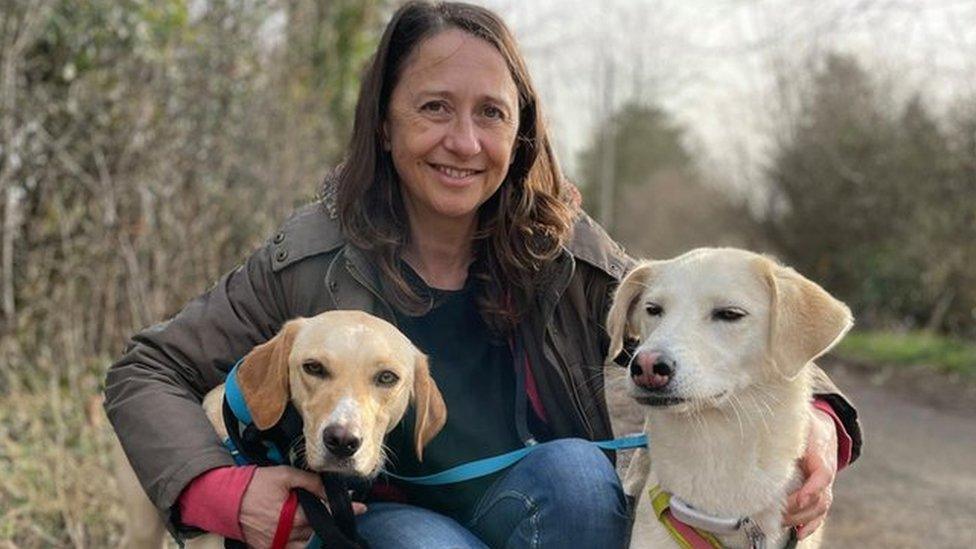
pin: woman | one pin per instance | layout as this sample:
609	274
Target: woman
450	218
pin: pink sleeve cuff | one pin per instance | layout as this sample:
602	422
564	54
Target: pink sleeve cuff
844	442
212	501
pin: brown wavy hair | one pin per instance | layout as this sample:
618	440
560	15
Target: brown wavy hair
520	228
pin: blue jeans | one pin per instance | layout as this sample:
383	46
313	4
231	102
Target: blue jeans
565	494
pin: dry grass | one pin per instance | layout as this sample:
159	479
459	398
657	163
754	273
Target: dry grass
56	489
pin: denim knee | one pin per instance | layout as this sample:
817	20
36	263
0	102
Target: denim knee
581	478
565	493
399	526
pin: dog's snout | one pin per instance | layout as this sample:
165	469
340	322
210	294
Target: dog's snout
651	370
340	441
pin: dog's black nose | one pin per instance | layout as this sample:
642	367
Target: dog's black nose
340	441
663	367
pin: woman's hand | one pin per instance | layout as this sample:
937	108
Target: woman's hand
262	503
807	507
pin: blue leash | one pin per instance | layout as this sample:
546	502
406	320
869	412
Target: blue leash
467	471
487	466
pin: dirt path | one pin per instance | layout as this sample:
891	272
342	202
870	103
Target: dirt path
915	484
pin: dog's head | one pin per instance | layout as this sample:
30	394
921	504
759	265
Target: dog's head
351	376
714	321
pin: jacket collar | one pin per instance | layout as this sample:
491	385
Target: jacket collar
591	243
314	229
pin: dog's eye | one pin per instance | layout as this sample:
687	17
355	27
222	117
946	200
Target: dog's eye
728	314
386	378
654	309
314	368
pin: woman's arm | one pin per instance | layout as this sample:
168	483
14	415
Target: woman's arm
826	392
153	393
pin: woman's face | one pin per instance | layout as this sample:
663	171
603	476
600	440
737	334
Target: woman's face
451	126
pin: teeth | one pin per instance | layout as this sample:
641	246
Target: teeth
457	174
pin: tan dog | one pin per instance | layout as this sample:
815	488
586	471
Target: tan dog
350	375
725	338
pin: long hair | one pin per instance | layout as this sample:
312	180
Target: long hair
521	227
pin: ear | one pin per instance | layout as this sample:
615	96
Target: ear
429	404
263	377
625	299
804	322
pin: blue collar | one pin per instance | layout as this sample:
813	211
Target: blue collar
242	416
234	397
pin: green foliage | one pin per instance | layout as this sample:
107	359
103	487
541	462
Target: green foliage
328	45
912	348
874	202
146	146
645	140
155	144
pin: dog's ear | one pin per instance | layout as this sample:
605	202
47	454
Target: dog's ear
429	404
804	321
263	377
624	300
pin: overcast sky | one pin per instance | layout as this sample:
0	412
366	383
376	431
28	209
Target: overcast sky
712	62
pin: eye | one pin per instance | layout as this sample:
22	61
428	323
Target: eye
728	314
386	378
315	368
435	107
493	112
653	309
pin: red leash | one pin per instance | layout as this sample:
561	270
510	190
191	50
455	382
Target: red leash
286	519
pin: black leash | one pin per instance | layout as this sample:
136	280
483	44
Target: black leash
336	530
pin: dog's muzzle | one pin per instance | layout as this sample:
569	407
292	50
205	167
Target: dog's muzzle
652	373
340	442
652	370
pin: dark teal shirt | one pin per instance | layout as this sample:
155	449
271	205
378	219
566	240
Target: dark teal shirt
475	375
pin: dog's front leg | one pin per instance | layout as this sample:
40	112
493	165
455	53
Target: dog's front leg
636	476
635	479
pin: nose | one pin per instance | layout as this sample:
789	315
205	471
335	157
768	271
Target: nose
340	441
462	138
652	370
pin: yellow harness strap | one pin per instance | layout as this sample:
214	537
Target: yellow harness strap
661	501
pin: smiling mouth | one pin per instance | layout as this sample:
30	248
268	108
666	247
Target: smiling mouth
454	173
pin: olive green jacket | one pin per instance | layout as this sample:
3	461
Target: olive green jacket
153	392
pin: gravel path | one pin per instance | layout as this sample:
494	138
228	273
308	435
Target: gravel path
915	484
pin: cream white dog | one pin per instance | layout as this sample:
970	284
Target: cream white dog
725	338
350	376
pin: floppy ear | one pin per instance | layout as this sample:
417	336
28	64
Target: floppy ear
624	301
804	322
263	377
429	404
